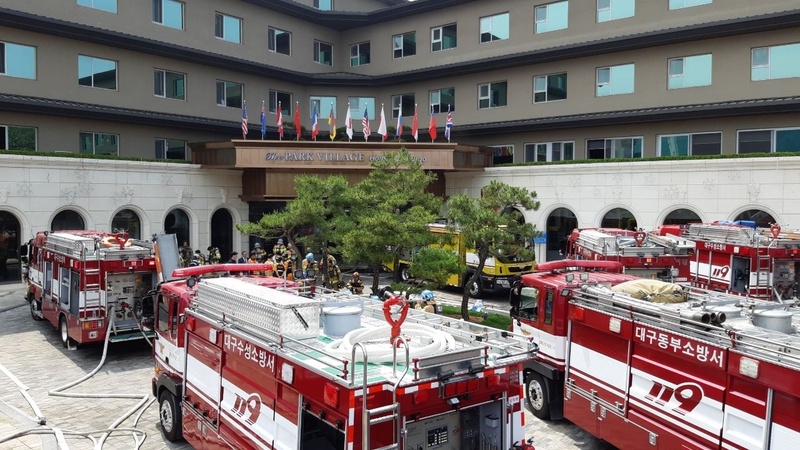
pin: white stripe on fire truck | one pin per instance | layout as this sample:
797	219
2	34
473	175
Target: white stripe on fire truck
282	430
203	379
783	437
743	430
599	369
351	420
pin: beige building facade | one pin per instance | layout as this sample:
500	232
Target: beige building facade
536	81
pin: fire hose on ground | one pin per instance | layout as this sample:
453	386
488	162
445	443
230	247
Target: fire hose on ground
138	435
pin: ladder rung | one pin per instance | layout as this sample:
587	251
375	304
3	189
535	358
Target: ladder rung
388	447
382	419
382	409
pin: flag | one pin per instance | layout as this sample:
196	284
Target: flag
449	124
365	124
280	121
332	123
400	123
415	126
314	125
432	126
382	125
263	121
348	122
297	120
244	120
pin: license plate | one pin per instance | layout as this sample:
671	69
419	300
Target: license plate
503	282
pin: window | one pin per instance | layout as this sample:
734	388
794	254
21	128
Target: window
549	88
324	5
323	53
492	95
99	144
614	148
229	94
678	4
171	149
324	106
103	5
97	72
443	38
404	44
228	28
494	28
441	99
359	54
689	71
17	138
769	141
772	63
168	13
169	84
608	10
503	154
550	151
615	80
690	144
402	105
17	60
357	105
127	220
551	17
279	41
282	98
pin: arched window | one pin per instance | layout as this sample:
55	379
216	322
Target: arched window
681	216
177	222
619	218
127	220
560	224
761	218
68	220
222	233
9	248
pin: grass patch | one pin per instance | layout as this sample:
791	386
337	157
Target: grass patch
494	320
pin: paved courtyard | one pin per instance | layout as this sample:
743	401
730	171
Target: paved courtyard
32	354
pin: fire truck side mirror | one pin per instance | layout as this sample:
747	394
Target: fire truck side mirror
23	254
191	282
566	293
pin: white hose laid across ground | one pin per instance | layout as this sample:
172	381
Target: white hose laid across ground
144	401
423	340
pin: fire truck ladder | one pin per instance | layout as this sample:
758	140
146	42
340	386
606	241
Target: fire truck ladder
91	269
381	414
763	284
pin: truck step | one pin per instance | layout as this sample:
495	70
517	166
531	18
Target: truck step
131	336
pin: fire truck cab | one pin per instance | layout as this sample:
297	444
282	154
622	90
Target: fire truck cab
702	370
86	283
244	364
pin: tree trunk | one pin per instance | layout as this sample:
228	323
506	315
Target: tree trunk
475	278
376	273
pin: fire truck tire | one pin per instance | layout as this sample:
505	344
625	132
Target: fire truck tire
63	328
475	289
536	396
405	274
169	415
35	306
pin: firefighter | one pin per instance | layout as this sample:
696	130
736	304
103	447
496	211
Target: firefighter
259	252
198	258
254	260
280	266
334	274
355	285
213	255
289	262
279	249
309	263
185	254
426	302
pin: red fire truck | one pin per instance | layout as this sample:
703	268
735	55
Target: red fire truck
244	365
78	280
745	260
661	253
712	371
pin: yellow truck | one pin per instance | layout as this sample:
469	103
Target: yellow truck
498	272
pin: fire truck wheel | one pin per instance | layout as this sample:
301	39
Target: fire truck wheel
35	306
169	416
63	327
405	274
475	289
536	396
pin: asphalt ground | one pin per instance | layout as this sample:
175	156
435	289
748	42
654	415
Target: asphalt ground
33	362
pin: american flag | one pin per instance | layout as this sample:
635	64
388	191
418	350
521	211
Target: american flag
449	124
244	120
365	124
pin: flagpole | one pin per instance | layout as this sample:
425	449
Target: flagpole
296	125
